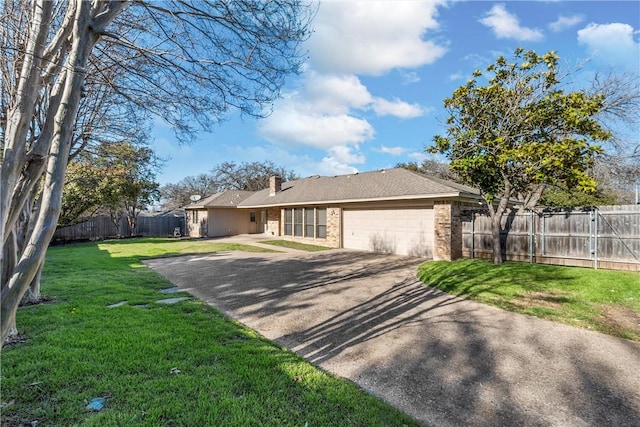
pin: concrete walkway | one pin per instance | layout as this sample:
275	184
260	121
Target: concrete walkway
440	359
256	240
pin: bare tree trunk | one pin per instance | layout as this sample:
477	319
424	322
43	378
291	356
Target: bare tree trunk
531	200
10	249
20	112
33	295
35	249
495	213
496	239
10	256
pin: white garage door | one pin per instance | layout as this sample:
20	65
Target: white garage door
397	231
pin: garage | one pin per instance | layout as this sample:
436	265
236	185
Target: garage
401	231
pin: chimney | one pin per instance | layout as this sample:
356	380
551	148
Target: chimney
275	185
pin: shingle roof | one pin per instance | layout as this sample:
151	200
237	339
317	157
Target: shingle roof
391	184
224	199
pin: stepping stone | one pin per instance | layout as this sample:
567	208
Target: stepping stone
141	306
171	300
170	290
118	304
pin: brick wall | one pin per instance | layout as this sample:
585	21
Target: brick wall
447	225
334	227
274	224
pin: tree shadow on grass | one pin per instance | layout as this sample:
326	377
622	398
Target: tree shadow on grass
441	359
472	278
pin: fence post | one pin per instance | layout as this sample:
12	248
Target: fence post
595	227
543	230
531	246
593	236
473	235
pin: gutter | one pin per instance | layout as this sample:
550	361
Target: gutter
376	199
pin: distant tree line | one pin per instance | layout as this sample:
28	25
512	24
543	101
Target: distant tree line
248	176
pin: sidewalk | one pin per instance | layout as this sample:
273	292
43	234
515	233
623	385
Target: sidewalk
255	240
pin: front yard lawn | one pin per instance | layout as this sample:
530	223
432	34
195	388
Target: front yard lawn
601	300
154	364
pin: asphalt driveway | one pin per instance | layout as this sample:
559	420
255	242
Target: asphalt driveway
440	359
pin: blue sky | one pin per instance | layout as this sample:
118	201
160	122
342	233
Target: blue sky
372	90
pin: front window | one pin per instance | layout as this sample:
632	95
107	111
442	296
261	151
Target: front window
308	222
252	216
297	222
288	222
321	223
195	217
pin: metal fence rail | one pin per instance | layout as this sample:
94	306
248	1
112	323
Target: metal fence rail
602	237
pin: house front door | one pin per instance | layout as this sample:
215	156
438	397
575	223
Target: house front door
263	221
253	223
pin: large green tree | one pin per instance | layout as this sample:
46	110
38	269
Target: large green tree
514	130
118	178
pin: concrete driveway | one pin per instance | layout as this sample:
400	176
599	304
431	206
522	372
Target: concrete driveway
440	359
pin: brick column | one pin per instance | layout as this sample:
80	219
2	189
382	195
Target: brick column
447	240
334	227
273	222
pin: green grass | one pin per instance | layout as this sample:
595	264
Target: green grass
77	349
601	300
157	247
295	245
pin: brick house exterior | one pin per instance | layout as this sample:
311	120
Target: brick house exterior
395	211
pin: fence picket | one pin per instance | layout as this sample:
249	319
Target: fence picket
101	227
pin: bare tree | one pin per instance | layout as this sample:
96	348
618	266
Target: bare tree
247	176
173	196
187	62
432	167
621	112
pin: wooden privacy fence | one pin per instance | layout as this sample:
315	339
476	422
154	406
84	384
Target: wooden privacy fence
603	237
101	227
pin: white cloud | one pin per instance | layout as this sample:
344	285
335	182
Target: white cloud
394	151
507	26
458	76
366	37
329	107
323	113
330	166
565	22
418	156
396	108
303	165
336	94
296	123
612	43
409	77
346	155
